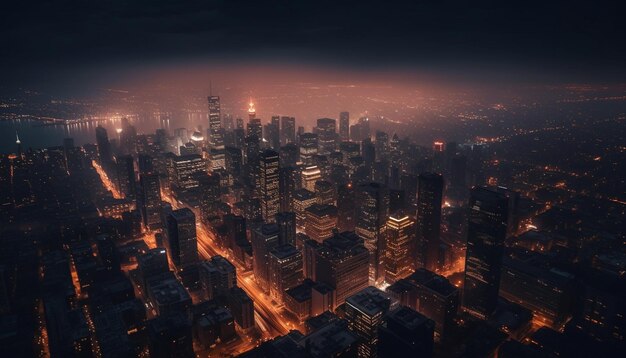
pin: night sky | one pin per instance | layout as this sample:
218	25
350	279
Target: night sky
576	40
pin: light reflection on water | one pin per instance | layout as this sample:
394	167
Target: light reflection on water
35	135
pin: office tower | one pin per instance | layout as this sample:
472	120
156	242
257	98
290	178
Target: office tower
151	264
429	197
125	175
430	294
289	155
150	200
210	195
186	170
285	268
438	156
308	148
310	175
372	212
104	146
327	134
382	144
287	186
344	126
286	222
364	311
128	138
242	308
263	239
216	140
182	242
405	332
486	232
341	262
399	251
252	150
217	277
239	123
302	199
269	185
287	130
255	128
513	199
321	220
346	208
325	192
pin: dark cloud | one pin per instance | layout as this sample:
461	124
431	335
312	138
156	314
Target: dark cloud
49	35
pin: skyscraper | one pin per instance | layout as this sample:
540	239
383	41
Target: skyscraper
327	134
287	187
399	254
372	213
104	146
285	267
150	200
364	312
286	222
308	147
125	166
263	239
429	196
217	277
310	175
486	232
273	133
341	262
182	242
287	130
302	199
321	220
346	207
269	185
344	126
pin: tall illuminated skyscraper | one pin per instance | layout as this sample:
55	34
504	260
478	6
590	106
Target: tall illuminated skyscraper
321	220
269	185
150	200
429	197
263	239
399	253
285	268
308	147
216	139
310	175
486	232
344	126
364	312
327	134
372	214
104	146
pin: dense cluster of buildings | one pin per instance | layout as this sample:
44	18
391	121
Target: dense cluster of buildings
263	240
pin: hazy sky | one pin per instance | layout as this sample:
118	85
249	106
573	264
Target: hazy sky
46	41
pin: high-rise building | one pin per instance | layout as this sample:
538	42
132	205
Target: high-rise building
287	183
216	138
242	308
430	294
182	242
405	332
486	232
104	146
429	197
310	175
263	239
327	134
341	262
372	213
269	185
273	133
346	208
150	200
344	126
285	268
287	130
325	192
364	312
217	277
286	222
125	183
185	171
302	199
289	155
399	251
321	220
308	148
382	144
